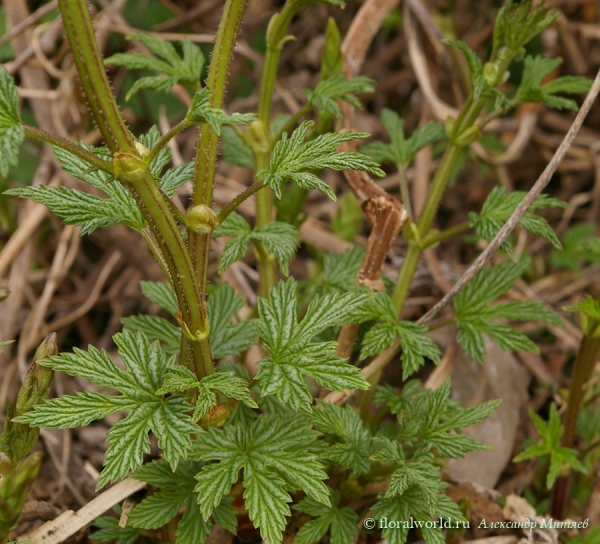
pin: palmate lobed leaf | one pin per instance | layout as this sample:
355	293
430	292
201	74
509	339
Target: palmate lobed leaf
146	366
336	87
185	70
549	445
531	89
177	491
342	522
401	150
273	454
294	160
292	354
202	112
475	314
280	239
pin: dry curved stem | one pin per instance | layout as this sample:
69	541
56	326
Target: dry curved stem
522	208
384	212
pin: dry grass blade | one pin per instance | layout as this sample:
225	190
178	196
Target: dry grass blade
69	522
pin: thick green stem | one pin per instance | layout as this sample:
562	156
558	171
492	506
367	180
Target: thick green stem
93	78
206	153
130	168
589	351
404	192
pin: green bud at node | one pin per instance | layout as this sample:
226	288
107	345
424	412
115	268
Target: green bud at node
128	167
468	136
201	219
449	124
491	73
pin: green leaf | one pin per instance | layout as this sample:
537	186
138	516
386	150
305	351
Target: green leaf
146	365
475	314
292	354
149	140
156	328
227	338
79	208
11	129
430	420
5	343
175	177
415	345
517	24
336	87
579	245
162	294
110	530
294	160
343	522
352	449
176	491
279	238
202	112
185	70
273	452
401	151
549	444
475	66
341	270
234	150
531	89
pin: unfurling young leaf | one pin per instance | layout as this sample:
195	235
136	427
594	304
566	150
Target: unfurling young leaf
146	366
336	87
185	70
279	238
295	160
202	112
11	129
549	444
497	209
475	315
531	90
292	355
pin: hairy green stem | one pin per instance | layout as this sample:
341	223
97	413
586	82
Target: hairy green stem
167	137
239	199
130	167
74	149
276	37
207	147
